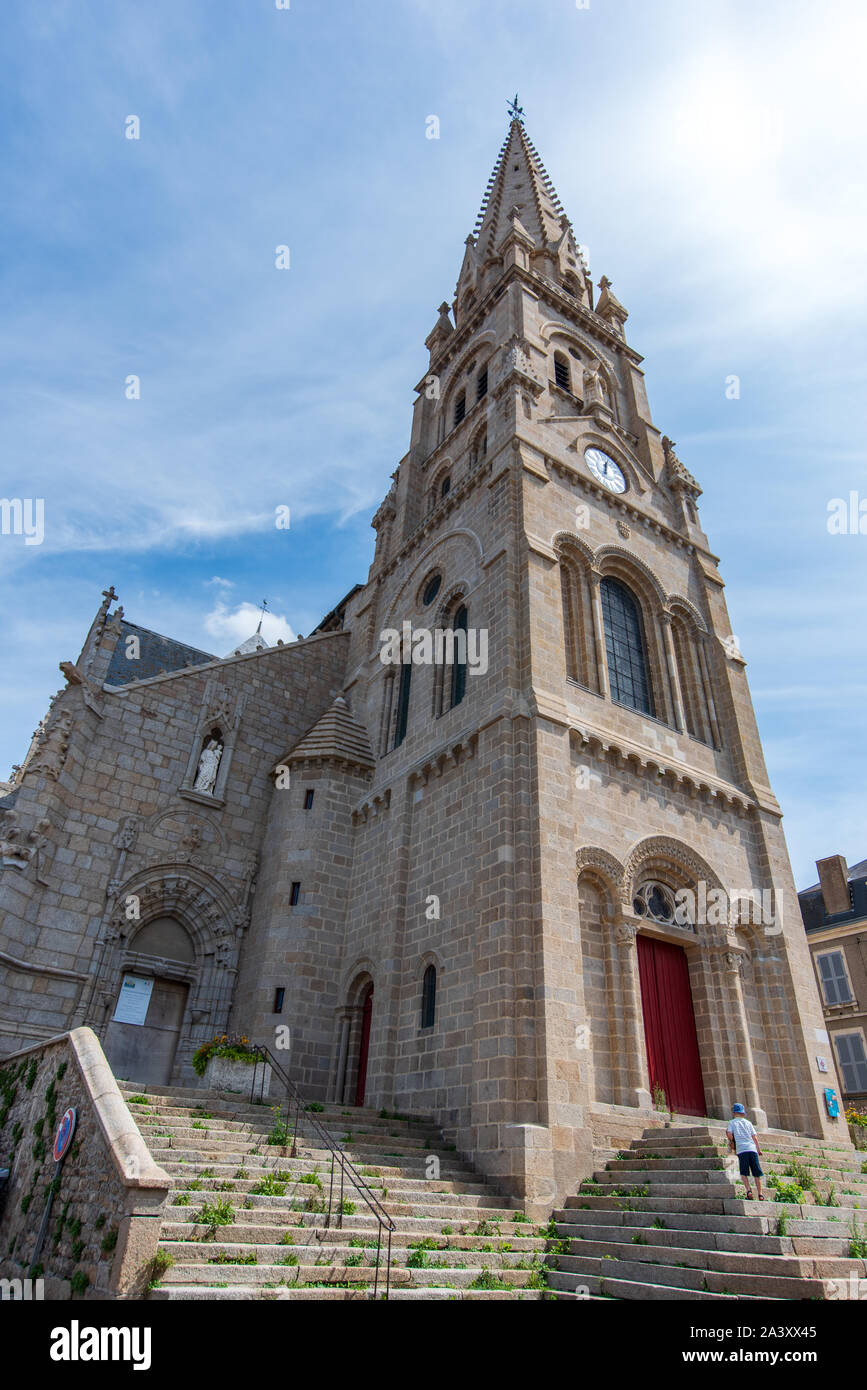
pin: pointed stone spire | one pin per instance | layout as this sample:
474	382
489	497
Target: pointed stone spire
519	182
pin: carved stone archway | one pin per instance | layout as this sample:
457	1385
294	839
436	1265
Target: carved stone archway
214	923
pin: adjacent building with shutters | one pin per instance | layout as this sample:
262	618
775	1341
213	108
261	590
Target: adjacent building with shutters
835	918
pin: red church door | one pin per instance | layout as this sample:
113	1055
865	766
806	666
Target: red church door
673	1060
364	1046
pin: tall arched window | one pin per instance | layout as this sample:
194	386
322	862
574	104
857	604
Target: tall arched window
459	669
625	647
450	674
403	703
429	997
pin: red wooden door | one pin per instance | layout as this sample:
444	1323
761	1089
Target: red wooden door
364	1047
669	1025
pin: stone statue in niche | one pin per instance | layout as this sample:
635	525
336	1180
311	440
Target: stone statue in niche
209	763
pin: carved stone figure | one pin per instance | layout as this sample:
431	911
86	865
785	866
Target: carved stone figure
209	762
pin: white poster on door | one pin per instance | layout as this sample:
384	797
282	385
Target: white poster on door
133	1000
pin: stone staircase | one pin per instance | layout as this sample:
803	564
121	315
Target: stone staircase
668	1219
456	1237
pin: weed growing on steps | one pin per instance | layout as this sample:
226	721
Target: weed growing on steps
272	1184
281	1133
802	1177
786	1191
857	1241
782	1222
214	1214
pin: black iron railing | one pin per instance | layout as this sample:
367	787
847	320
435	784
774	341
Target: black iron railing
343	1171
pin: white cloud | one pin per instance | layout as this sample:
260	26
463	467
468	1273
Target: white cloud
234	625
217	581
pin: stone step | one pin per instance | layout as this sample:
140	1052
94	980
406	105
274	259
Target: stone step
733	1206
775	1140
240	1292
582	1237
572	1219
264	1233
563	1286
695	1279
257	1275
187	1253
448	1210
722	1261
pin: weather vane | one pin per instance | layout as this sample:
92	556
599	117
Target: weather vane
515	111
264	606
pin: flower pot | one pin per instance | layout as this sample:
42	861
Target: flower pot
245	1078
858	1134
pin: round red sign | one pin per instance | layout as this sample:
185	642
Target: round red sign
63	1137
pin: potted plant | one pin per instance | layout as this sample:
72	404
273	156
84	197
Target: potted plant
226	1064
857	1127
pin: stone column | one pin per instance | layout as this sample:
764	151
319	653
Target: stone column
599	634
733	963
673	673
637	1090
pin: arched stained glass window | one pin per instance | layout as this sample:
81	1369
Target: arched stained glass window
625	648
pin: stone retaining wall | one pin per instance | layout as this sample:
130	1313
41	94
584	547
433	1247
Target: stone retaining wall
110	1195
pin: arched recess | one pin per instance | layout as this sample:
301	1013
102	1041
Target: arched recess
441	483
688	636
597	1046
576	594
670	861
459	555
479	445
478	351
176	926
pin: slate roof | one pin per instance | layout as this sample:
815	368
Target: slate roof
157	654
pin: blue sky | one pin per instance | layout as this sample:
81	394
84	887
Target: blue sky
709	156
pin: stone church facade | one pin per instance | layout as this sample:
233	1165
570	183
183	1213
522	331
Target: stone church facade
460	884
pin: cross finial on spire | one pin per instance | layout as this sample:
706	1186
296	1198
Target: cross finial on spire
515	111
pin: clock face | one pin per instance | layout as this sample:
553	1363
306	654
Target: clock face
609	473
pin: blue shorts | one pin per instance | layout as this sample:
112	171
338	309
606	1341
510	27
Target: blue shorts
749	1163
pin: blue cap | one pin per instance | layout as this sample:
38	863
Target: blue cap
738	1110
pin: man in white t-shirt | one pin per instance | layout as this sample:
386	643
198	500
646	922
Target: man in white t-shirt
743	1141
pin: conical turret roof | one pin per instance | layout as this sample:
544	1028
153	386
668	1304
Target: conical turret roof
335	736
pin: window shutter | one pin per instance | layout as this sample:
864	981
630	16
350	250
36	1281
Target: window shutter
834	981
853	1061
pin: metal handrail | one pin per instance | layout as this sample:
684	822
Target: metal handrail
339	1157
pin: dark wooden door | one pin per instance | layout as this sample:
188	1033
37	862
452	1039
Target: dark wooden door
364	1046
669	1025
